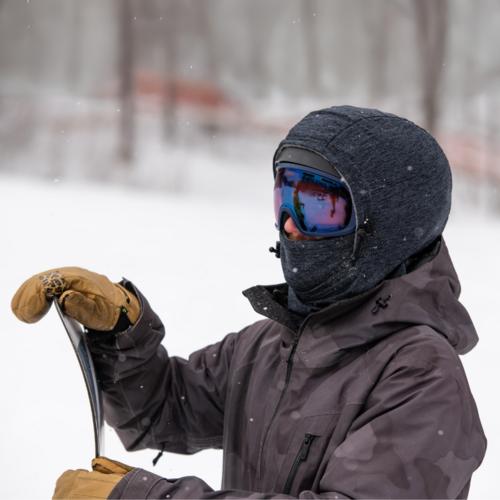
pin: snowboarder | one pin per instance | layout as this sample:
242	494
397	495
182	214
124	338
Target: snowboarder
352	387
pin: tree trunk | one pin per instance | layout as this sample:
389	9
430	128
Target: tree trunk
258	27
210	122
170	77
75	52
378	17
126	148
308	16
431	31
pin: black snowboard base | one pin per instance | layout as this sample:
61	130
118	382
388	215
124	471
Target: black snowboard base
76	334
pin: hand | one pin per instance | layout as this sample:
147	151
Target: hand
88	297
97	483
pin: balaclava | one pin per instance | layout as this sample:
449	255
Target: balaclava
400	183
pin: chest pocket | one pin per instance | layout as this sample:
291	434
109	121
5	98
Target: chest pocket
305	460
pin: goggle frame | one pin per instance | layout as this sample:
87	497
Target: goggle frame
287	208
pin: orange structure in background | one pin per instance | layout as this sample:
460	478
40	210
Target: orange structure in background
199	94
473	155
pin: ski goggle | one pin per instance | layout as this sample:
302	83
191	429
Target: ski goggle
319	203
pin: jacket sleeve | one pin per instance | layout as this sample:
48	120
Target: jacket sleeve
156	401
139	484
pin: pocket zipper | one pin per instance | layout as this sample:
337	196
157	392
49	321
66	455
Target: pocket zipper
301	457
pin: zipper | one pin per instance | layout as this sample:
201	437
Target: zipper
289	365
301	457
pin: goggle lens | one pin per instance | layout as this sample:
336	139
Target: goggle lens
317	203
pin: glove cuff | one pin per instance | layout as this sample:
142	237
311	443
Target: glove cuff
131	306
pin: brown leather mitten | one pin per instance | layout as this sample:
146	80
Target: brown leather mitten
90	298
98	483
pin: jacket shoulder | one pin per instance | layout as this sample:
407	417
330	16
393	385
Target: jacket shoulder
261	328
424	347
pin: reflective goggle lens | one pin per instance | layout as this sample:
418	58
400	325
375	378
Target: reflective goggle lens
318	204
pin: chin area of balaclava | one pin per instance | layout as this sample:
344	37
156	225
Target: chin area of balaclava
318	272
400	182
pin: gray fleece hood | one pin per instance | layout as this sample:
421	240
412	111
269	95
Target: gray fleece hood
400	183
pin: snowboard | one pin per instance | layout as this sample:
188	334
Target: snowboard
77	336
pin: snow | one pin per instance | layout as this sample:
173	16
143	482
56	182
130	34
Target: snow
191	254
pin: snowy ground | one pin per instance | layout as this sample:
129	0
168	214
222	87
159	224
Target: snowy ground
191	255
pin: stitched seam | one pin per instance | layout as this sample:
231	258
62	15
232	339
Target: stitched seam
378	117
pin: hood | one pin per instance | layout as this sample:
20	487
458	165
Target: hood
400	184
427	296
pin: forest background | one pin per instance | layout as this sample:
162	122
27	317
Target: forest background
136	139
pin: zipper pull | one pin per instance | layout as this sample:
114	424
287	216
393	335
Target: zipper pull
301	457
306	445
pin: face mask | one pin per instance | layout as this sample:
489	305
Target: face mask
318	272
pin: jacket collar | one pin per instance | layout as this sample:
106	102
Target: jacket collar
426	296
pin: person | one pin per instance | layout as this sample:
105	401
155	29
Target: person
352	386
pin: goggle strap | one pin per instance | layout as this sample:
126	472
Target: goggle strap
301	157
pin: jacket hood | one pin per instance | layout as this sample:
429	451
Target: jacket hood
427	296
399	179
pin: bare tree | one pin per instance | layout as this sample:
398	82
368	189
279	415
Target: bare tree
258	24
171	14
205	33
75	47
126	148
378	17
308	17
431	18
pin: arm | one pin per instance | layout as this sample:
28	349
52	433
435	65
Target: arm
156	401
143	484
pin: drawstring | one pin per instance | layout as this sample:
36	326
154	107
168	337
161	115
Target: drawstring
364	230
157	458
276	250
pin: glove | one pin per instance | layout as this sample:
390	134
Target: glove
88	297
97	483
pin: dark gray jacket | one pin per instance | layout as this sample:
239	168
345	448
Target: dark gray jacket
366	399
